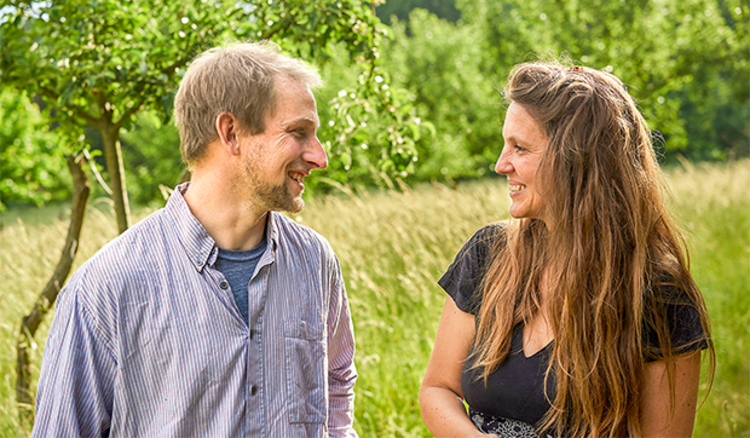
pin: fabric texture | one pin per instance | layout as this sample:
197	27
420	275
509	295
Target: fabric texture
145	342
502	427
516	389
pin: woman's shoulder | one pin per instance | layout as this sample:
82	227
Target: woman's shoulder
674	307
478	249
464	276
488	235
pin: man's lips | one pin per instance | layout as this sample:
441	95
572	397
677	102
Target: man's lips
298	175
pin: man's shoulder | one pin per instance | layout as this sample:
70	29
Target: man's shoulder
126	252
152	229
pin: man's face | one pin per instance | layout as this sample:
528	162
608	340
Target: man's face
278	160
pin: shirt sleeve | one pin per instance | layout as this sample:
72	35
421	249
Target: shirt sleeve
342	373
76	383
685	330
464	276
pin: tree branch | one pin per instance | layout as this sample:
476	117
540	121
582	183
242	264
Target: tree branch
30	323
80	112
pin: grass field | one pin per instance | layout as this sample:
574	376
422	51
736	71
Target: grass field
393	247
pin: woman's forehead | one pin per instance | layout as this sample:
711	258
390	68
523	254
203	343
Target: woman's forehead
521	127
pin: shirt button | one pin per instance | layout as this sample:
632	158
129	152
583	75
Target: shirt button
253	390
223	284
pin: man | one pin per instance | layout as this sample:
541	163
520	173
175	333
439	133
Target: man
216	316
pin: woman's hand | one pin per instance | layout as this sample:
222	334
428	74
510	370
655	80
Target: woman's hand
657	417
440	398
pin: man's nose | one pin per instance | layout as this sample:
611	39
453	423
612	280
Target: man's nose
315	155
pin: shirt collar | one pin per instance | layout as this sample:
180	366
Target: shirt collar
272	230
199	246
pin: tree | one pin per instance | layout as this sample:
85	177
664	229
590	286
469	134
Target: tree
99	63
445	9
31	161
440	63
31	322
668	52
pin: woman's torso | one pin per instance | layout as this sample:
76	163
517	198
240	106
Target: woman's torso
516	388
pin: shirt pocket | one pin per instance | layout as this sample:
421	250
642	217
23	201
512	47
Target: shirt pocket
305	372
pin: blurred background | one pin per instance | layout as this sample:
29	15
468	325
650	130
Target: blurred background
411	115
687	62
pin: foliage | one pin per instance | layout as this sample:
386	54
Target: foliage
445	9
717	121
372	145
90	59
421	98
660	49
440	65
99	64
686	63
32	168
151	151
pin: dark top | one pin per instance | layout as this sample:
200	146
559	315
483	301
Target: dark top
515	389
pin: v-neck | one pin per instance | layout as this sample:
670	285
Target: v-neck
518	340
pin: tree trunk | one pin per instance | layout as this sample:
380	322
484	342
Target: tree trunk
113	155
30	323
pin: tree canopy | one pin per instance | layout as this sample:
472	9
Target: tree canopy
418	100
98	64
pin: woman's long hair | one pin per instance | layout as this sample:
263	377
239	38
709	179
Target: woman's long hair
612	254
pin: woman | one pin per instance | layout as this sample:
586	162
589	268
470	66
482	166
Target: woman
580	317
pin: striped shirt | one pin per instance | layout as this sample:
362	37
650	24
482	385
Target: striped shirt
147	340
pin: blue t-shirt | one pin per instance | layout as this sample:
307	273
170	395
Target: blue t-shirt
238	267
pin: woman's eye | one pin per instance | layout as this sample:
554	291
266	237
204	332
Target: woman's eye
518	148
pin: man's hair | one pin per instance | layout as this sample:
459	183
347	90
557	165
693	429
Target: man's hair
240	79
611	252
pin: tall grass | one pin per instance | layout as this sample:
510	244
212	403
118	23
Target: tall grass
393	247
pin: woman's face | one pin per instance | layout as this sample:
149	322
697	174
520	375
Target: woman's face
525	144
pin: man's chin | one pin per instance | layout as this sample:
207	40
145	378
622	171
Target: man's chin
296	206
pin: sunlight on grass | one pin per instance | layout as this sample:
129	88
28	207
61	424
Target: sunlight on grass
393	247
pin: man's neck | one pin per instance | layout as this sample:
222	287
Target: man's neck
231	222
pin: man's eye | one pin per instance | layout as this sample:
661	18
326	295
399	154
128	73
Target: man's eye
518	148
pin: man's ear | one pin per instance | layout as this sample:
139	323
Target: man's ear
227	126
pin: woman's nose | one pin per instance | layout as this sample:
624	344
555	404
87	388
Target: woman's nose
503	165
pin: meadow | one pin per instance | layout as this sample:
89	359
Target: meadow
393	246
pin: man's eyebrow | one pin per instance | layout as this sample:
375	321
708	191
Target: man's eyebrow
303	119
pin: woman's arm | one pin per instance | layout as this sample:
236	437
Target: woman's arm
656	416
440	397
